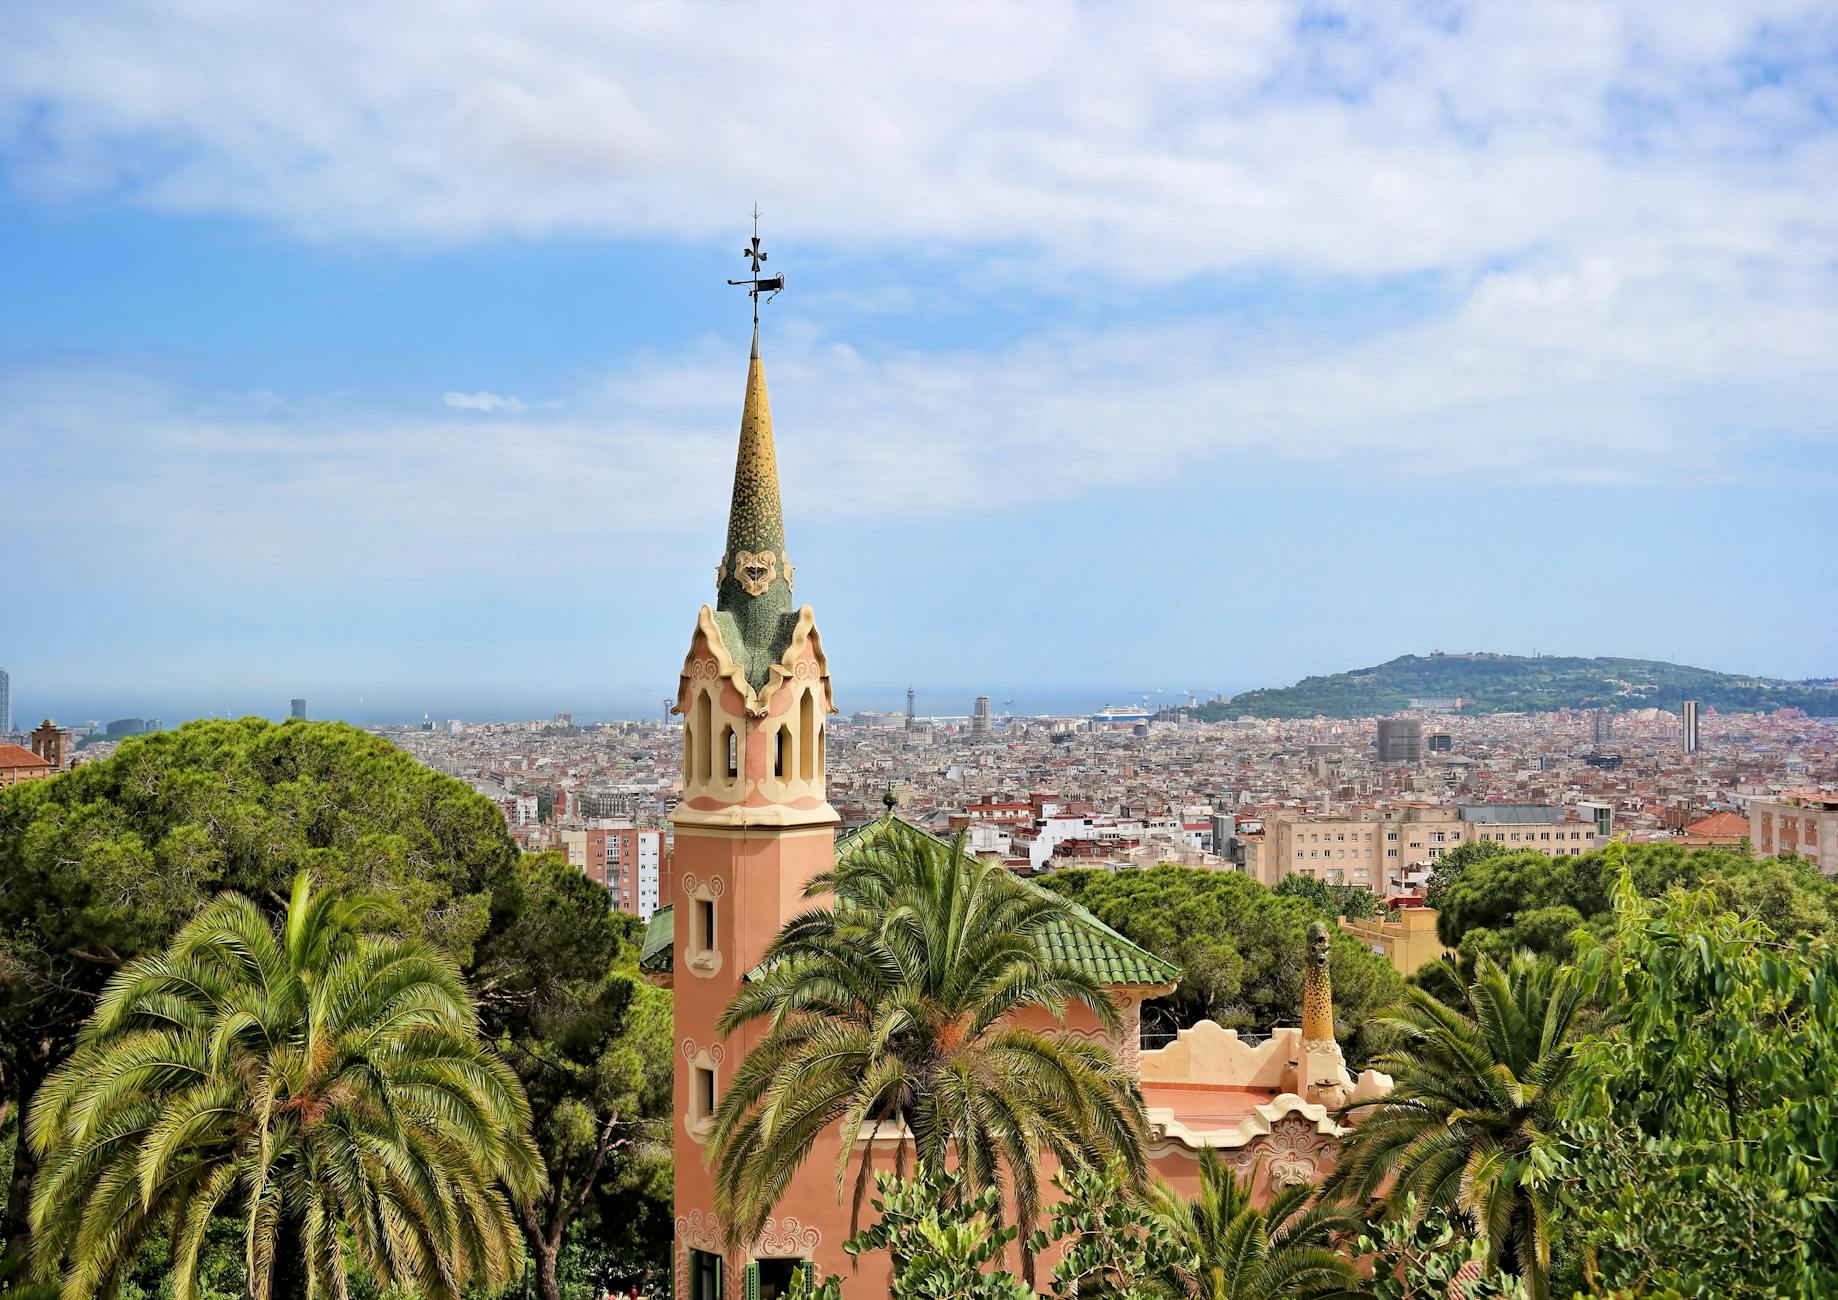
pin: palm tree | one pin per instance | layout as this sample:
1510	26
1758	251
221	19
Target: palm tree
1474	1092
329	1090
1240	1252
898	1006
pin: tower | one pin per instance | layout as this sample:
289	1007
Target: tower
1690	737
911	718
297	708
6	703
752	828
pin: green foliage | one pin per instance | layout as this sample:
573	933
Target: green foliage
941	1239
898	1004
592	1044
104	863
1331	900
1230	1249
1240	948
1495	683
1417	1254
1474	1094
1661	1217
1113	1245
1449	867
328	1089
1722	1058
1506	901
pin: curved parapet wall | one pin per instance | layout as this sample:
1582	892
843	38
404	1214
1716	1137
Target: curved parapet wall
1217	1057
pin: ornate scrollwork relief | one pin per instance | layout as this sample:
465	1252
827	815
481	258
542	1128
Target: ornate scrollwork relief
788	1236
697	1231
1291	1153
755	570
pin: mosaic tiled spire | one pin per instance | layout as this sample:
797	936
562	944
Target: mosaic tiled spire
755	575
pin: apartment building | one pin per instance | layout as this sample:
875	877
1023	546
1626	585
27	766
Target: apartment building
1373	846
628	861
1801	821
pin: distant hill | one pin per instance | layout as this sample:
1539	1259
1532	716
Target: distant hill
1493	683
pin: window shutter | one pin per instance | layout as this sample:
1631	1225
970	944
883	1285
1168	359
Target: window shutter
751	1284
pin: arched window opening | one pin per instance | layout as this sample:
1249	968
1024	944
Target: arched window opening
705	753
807	735
822	734
781	753
689	747
732	746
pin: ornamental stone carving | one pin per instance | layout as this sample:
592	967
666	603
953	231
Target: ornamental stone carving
788	1236
755	570
1292	1153
697	1231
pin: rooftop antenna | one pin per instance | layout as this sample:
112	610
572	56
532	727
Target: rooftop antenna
770	285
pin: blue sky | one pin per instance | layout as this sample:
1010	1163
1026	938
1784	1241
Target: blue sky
386	354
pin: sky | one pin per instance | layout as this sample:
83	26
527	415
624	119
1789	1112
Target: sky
382	353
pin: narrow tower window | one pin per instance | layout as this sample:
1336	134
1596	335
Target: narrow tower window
732	746
704	753
807	737
781	752
822	734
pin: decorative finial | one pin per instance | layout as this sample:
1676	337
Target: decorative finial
890	799
770	285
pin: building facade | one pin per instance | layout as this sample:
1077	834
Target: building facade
1400	740
1378	846
1803	822
17	763
627	860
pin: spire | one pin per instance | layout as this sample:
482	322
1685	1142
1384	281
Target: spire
753	582
754	572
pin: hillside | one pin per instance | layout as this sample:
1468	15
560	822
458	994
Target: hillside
1493	683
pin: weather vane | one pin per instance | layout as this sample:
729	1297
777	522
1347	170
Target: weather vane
770	285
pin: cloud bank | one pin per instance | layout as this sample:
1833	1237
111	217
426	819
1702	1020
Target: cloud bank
1625	217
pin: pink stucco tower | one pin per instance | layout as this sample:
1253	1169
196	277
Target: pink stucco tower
752	828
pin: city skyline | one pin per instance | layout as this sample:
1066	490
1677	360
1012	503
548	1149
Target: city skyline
1218	356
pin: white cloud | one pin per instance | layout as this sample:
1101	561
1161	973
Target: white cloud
1542	379
489	403
1395	137
1628	215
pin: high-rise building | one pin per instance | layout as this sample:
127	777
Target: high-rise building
1601	726
911	716
6	704
297	709
1690	727
979	718
1400	740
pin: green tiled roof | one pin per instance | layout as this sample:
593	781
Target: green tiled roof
658	954
1082	940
